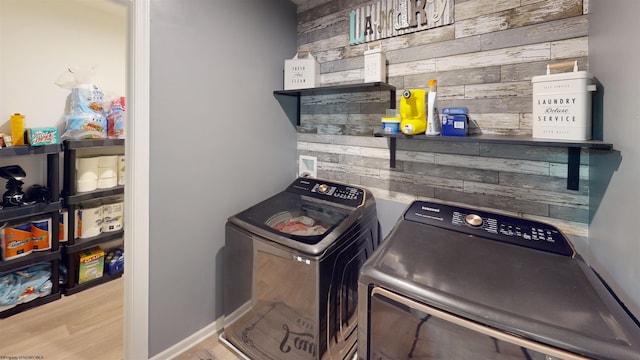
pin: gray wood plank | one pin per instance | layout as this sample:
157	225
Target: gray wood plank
539	153
324	9
451	172
569	214
513	105
493	202
352	160
434	50
399	186
540	182
525	71
543	11
536	33
321	157
458	77
542	196
439	147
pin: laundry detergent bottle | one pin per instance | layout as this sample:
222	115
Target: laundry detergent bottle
433	120
413	115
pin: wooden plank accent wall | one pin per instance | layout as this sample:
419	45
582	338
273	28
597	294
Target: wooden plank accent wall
484	61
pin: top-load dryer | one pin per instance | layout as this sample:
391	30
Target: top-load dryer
459	283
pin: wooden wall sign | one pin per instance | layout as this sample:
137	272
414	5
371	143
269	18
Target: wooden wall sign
386	18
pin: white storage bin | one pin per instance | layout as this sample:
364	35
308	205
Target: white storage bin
301	72
375	64
562	104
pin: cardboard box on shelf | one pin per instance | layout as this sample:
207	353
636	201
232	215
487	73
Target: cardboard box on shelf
42	136
91	264
301	72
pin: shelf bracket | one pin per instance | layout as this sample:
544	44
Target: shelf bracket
573	168
392	152
290	103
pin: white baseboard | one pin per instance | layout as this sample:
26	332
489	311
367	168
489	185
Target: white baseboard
190	341
223	339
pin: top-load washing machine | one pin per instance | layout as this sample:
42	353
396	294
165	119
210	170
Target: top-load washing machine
459	283
292	264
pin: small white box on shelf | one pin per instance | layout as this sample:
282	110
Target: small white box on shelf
562	104
375	64
301	72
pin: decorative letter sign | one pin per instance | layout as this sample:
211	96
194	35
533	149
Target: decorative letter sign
387	18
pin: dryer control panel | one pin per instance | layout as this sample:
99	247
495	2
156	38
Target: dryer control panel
514	230
324	190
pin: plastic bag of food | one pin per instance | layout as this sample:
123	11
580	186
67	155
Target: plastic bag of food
85	118
116	117
84	126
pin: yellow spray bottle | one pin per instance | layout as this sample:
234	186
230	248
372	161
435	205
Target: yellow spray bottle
413	117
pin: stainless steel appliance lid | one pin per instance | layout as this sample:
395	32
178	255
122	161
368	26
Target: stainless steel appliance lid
545	296
313	202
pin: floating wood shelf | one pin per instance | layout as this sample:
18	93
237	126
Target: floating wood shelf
327	90
574	147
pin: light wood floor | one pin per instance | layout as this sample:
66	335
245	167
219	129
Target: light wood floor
208	349
83	326
86	325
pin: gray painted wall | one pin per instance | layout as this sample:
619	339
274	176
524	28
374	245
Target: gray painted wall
389	212
614	58
220	142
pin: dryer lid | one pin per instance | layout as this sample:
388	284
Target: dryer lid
541	295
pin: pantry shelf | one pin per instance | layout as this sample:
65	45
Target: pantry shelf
53	162
31	304
30	150
105	278
81	244
93	195
26	213
74	200
11	213
7	266
294	116
573	147
89	143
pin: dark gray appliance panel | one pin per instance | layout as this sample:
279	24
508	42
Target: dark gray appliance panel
438	335
495	282
492	273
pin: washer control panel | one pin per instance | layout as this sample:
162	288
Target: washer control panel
514	230
324	190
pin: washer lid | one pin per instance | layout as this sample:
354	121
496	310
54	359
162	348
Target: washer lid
310	215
